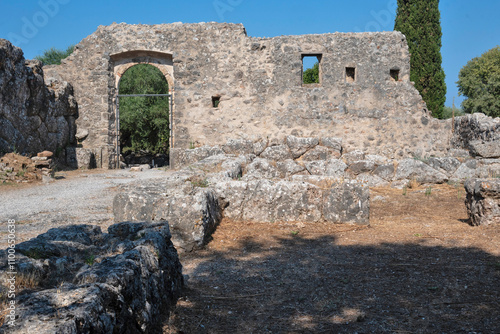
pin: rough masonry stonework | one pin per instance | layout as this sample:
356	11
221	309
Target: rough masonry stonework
364	96
35	114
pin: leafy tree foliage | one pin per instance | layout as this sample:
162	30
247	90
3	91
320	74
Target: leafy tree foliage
449	112
54	56
479	81
311	75
144	121
420	20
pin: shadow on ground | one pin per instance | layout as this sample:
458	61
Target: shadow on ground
297	284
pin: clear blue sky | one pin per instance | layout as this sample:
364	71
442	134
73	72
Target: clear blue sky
469	27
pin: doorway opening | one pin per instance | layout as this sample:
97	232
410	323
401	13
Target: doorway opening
143	122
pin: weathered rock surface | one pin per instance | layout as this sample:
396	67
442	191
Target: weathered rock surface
181	157
415	169
191	209
478	133
483	201
299	146
305	199
35	114
126	281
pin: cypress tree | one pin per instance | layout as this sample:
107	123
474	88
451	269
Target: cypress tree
420	20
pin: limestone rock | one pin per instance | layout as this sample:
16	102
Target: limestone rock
299	146
348	202
415	169
363	166
181	157
320	153
106	283
332	143
447	165
34	115
276	153
386	172
485	149
261	168
353	156
483	201
192	211
238	147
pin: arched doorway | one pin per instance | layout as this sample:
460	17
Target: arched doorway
143	110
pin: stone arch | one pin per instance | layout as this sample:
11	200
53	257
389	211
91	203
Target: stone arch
123	61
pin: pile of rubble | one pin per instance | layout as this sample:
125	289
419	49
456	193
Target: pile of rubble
18	168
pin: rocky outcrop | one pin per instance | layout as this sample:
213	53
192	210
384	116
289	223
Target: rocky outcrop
125	281
483	201
35	114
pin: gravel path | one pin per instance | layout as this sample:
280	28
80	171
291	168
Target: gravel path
77	197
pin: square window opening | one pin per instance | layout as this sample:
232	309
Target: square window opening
394	74
311	69
215	101
350	74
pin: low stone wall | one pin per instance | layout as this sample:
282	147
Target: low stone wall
85	281
326	157
194	199
35	115
483	201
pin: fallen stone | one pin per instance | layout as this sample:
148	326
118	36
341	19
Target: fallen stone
192	210
410	169
483	201
136	169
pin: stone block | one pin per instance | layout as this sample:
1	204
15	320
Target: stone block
106	283
483	201
299	146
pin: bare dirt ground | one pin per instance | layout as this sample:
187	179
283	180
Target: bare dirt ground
418	268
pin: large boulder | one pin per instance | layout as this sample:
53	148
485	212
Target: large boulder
483	201
126	281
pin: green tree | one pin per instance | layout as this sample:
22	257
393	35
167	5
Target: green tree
54	56
420	20
144	121
479	81
311	75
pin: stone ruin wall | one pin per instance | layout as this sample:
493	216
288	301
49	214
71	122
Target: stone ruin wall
35	114
259	82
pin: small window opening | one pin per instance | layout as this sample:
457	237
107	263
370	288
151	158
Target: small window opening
310	69
350	74
215	101
395	74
